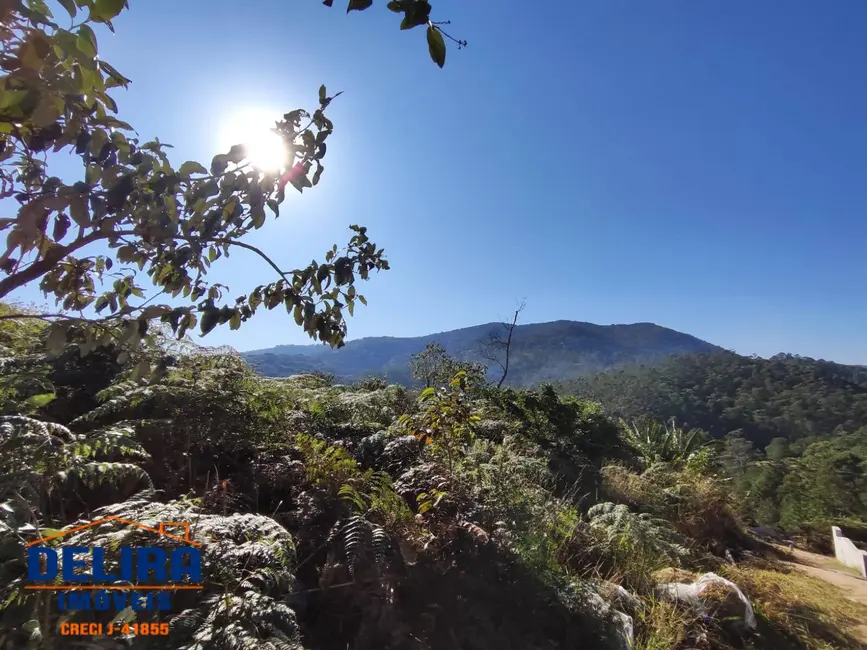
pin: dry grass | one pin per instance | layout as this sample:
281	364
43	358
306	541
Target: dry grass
660	626
696	506
797	611
673	574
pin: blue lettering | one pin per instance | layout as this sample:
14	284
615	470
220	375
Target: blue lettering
139	602
102	600
152	558
99	574
193	570
34	563
70	564
120	599
78	600
126	572
164	602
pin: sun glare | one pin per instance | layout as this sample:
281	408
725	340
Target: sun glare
252	128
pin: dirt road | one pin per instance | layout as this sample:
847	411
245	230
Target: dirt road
827	569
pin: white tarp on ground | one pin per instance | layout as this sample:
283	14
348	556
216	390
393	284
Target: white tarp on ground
689	593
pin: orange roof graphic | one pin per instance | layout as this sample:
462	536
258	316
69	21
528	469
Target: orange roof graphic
159	531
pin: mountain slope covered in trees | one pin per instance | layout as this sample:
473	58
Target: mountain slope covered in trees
785	396
540	351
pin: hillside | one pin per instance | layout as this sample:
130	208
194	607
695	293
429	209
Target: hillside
784	396
540	352
514	519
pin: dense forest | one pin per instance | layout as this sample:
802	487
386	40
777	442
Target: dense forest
156	494
790	431
785	396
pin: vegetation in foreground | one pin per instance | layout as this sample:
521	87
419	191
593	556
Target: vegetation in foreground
372	515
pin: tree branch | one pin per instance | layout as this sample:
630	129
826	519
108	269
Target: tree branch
43	266
497	341
255	250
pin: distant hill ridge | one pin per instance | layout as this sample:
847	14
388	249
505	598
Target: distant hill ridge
540	351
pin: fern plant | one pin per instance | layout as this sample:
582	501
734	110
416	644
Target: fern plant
364	545
206	411
636	543
327	466
376	498
38	458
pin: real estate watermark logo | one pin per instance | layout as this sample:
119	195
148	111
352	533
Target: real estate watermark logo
136	577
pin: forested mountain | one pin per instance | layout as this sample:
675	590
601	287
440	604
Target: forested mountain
540	352
784	396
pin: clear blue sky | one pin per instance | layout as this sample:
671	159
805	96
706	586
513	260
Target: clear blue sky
698	164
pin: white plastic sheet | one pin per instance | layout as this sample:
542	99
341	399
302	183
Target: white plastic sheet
689	593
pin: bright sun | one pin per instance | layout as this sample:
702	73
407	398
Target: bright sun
252	128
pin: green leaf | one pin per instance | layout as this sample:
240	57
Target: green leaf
49	532
322	94
78	210
105	10
12	97
38	401
362	299
192	167
235	320
86	41
436	46
47	112
395	7
358	5
209	320
69	5
98	140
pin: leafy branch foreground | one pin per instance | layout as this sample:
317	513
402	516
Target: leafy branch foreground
169	223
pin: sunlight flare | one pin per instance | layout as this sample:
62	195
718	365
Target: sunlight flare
253	128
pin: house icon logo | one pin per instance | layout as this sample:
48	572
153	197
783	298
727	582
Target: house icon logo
97	577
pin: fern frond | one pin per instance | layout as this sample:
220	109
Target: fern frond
125	477
380	543
118	439
348	493
360	541
356	540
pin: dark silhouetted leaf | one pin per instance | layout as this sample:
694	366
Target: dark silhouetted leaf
358	5
436	45
69	5
191	167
